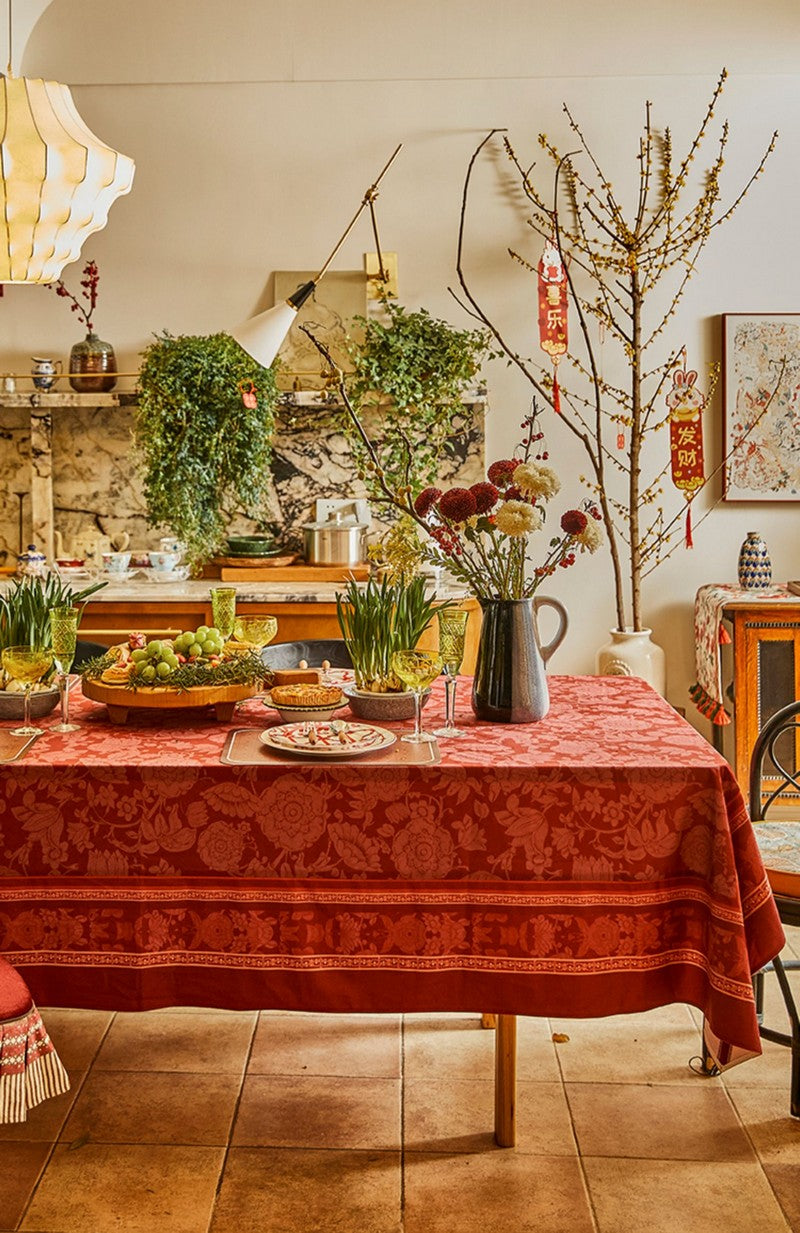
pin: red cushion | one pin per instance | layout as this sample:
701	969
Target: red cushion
15	999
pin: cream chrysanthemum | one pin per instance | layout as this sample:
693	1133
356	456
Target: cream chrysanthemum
517	518
591	537
536	481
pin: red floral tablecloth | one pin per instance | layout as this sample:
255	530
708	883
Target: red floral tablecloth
598	862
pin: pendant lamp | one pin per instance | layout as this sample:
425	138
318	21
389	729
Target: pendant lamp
261	336
57	180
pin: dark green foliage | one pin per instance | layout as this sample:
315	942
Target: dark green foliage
380	618
206	456
422	366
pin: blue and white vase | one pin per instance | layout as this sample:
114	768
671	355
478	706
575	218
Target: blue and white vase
755	566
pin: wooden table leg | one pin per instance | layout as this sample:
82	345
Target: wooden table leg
505	1081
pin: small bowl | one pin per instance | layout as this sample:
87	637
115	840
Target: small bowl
43	701
253	546
382	707
304	714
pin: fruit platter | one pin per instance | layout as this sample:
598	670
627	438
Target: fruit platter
196	669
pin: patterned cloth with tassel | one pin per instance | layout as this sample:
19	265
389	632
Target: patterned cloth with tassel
30	1069
709	635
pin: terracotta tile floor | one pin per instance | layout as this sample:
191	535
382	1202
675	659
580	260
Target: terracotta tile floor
209	1122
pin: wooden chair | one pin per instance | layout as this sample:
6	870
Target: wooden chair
30	1068
779	843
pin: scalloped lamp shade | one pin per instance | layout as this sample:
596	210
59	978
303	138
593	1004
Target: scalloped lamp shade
57	180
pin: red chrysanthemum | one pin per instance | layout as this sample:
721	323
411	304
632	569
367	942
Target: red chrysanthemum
512	494
457	504
573	522
502	470
426	500
486	497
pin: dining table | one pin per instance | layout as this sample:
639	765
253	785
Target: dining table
598	862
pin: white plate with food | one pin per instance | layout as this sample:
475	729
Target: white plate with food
334	739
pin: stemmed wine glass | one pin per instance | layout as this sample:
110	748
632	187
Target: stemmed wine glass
260	630
27	664
223	609
63	635
417	669
452	630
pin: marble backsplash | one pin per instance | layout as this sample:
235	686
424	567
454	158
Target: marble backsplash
91	474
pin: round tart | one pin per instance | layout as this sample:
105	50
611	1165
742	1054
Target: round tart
306	695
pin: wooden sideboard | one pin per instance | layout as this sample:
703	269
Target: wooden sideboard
110	621
761	674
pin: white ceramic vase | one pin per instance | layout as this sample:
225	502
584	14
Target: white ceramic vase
633	653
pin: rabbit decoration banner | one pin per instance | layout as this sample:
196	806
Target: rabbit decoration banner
686	405
553	292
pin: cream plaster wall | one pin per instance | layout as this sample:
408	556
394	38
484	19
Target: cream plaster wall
257	124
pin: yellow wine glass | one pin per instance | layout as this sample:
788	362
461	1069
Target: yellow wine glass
260	630
223	609
452	635
27	664
417	669
64	635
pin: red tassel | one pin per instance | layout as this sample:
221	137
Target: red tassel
724	636
556	393
689	540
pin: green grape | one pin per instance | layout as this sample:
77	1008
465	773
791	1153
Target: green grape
138	656
201	632
172	660
154	649
138	668
209	646
195	650
214	633
148	672
163	670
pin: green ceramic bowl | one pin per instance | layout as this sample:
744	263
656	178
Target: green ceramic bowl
253	546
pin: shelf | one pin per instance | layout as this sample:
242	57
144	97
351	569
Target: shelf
45	400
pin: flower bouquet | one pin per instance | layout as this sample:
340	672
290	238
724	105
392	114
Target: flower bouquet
482	534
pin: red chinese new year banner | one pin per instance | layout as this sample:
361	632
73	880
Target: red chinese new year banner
686	405
553	293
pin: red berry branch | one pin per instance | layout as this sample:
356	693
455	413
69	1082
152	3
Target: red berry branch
91	277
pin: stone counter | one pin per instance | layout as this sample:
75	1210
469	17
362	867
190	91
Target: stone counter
140	591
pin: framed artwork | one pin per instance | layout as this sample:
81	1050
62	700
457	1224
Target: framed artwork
761	394
329	312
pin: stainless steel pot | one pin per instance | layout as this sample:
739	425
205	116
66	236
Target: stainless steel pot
338	541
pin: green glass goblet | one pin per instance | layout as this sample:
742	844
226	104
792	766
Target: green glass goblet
452	633
223	609
63	636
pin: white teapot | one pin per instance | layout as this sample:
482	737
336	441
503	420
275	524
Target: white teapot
89	546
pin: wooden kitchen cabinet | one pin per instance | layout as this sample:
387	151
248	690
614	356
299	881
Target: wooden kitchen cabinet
763	671
110	621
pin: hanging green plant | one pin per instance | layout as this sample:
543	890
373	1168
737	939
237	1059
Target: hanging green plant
205	451
413	370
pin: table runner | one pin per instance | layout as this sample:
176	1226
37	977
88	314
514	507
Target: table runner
598	862
710	634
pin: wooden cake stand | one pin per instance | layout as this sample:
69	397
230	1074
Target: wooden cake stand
120	700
